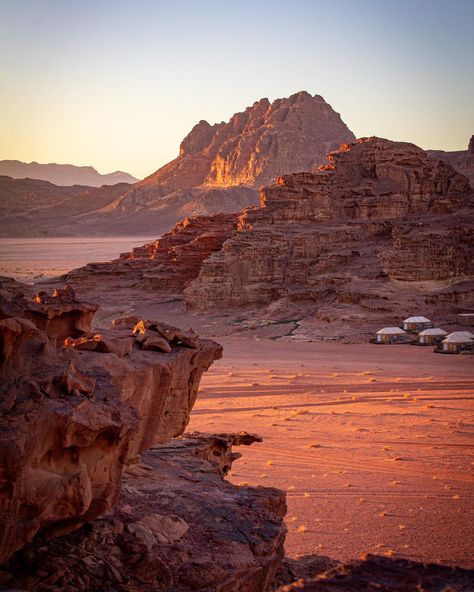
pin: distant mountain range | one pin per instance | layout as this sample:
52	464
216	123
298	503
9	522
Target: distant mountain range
62	174
461	160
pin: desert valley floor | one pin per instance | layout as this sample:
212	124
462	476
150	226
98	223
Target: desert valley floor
373	444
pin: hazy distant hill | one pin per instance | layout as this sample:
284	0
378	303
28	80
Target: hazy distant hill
62	174
30	207
461	160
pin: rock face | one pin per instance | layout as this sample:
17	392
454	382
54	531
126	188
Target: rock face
377	210
255	146
234	158
166	265
461	160
62	174
388	575
176	526
73	416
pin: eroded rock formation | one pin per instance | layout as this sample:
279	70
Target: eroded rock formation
176	526
169	264
264	141
337	236
73	415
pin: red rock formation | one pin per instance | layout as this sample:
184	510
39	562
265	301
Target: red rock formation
437	250
174	260
61	315
324	235
169	264
255	146
73	416
176	527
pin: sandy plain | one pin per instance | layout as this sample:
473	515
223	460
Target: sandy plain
373	444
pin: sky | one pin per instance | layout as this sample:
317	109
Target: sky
118	84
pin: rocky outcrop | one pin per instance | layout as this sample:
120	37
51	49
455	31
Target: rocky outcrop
255	146
61	315
174	261
374	572
168	264
176	526
461	160
73	415
325	235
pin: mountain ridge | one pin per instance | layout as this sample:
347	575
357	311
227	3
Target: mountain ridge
63	175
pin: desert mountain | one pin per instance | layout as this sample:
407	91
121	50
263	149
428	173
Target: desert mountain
252	149
218	170
62	174
461	160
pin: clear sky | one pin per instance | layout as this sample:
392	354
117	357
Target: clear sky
118	84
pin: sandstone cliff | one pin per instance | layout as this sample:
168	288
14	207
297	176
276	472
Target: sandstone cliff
166	265
177	526
89	428
377	210
73	415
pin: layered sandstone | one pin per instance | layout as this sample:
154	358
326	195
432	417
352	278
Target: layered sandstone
166	265
177	526
334	236
73	415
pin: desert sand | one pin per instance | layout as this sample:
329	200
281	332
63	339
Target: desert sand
373	444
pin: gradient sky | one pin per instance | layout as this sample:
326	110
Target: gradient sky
118	84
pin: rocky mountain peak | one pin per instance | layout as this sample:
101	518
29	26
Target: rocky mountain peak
256	145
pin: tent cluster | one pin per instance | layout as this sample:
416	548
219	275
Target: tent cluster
427	334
